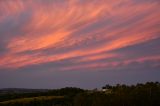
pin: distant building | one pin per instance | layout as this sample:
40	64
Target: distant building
107	89
104	89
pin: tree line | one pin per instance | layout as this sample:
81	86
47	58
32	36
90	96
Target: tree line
147	94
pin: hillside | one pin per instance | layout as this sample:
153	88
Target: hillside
147	94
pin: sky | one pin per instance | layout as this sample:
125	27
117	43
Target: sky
78	43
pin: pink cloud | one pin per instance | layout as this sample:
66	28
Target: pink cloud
71	29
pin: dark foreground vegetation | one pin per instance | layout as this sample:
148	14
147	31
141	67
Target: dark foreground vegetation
147	94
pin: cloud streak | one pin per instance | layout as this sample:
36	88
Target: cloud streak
89	35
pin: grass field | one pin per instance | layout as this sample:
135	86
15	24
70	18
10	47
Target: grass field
28	100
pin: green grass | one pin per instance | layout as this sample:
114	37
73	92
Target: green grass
28	100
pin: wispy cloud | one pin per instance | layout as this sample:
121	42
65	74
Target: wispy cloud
88	34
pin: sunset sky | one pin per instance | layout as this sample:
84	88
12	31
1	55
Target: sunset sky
81	43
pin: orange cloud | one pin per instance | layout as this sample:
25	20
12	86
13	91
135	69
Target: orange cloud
39	32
